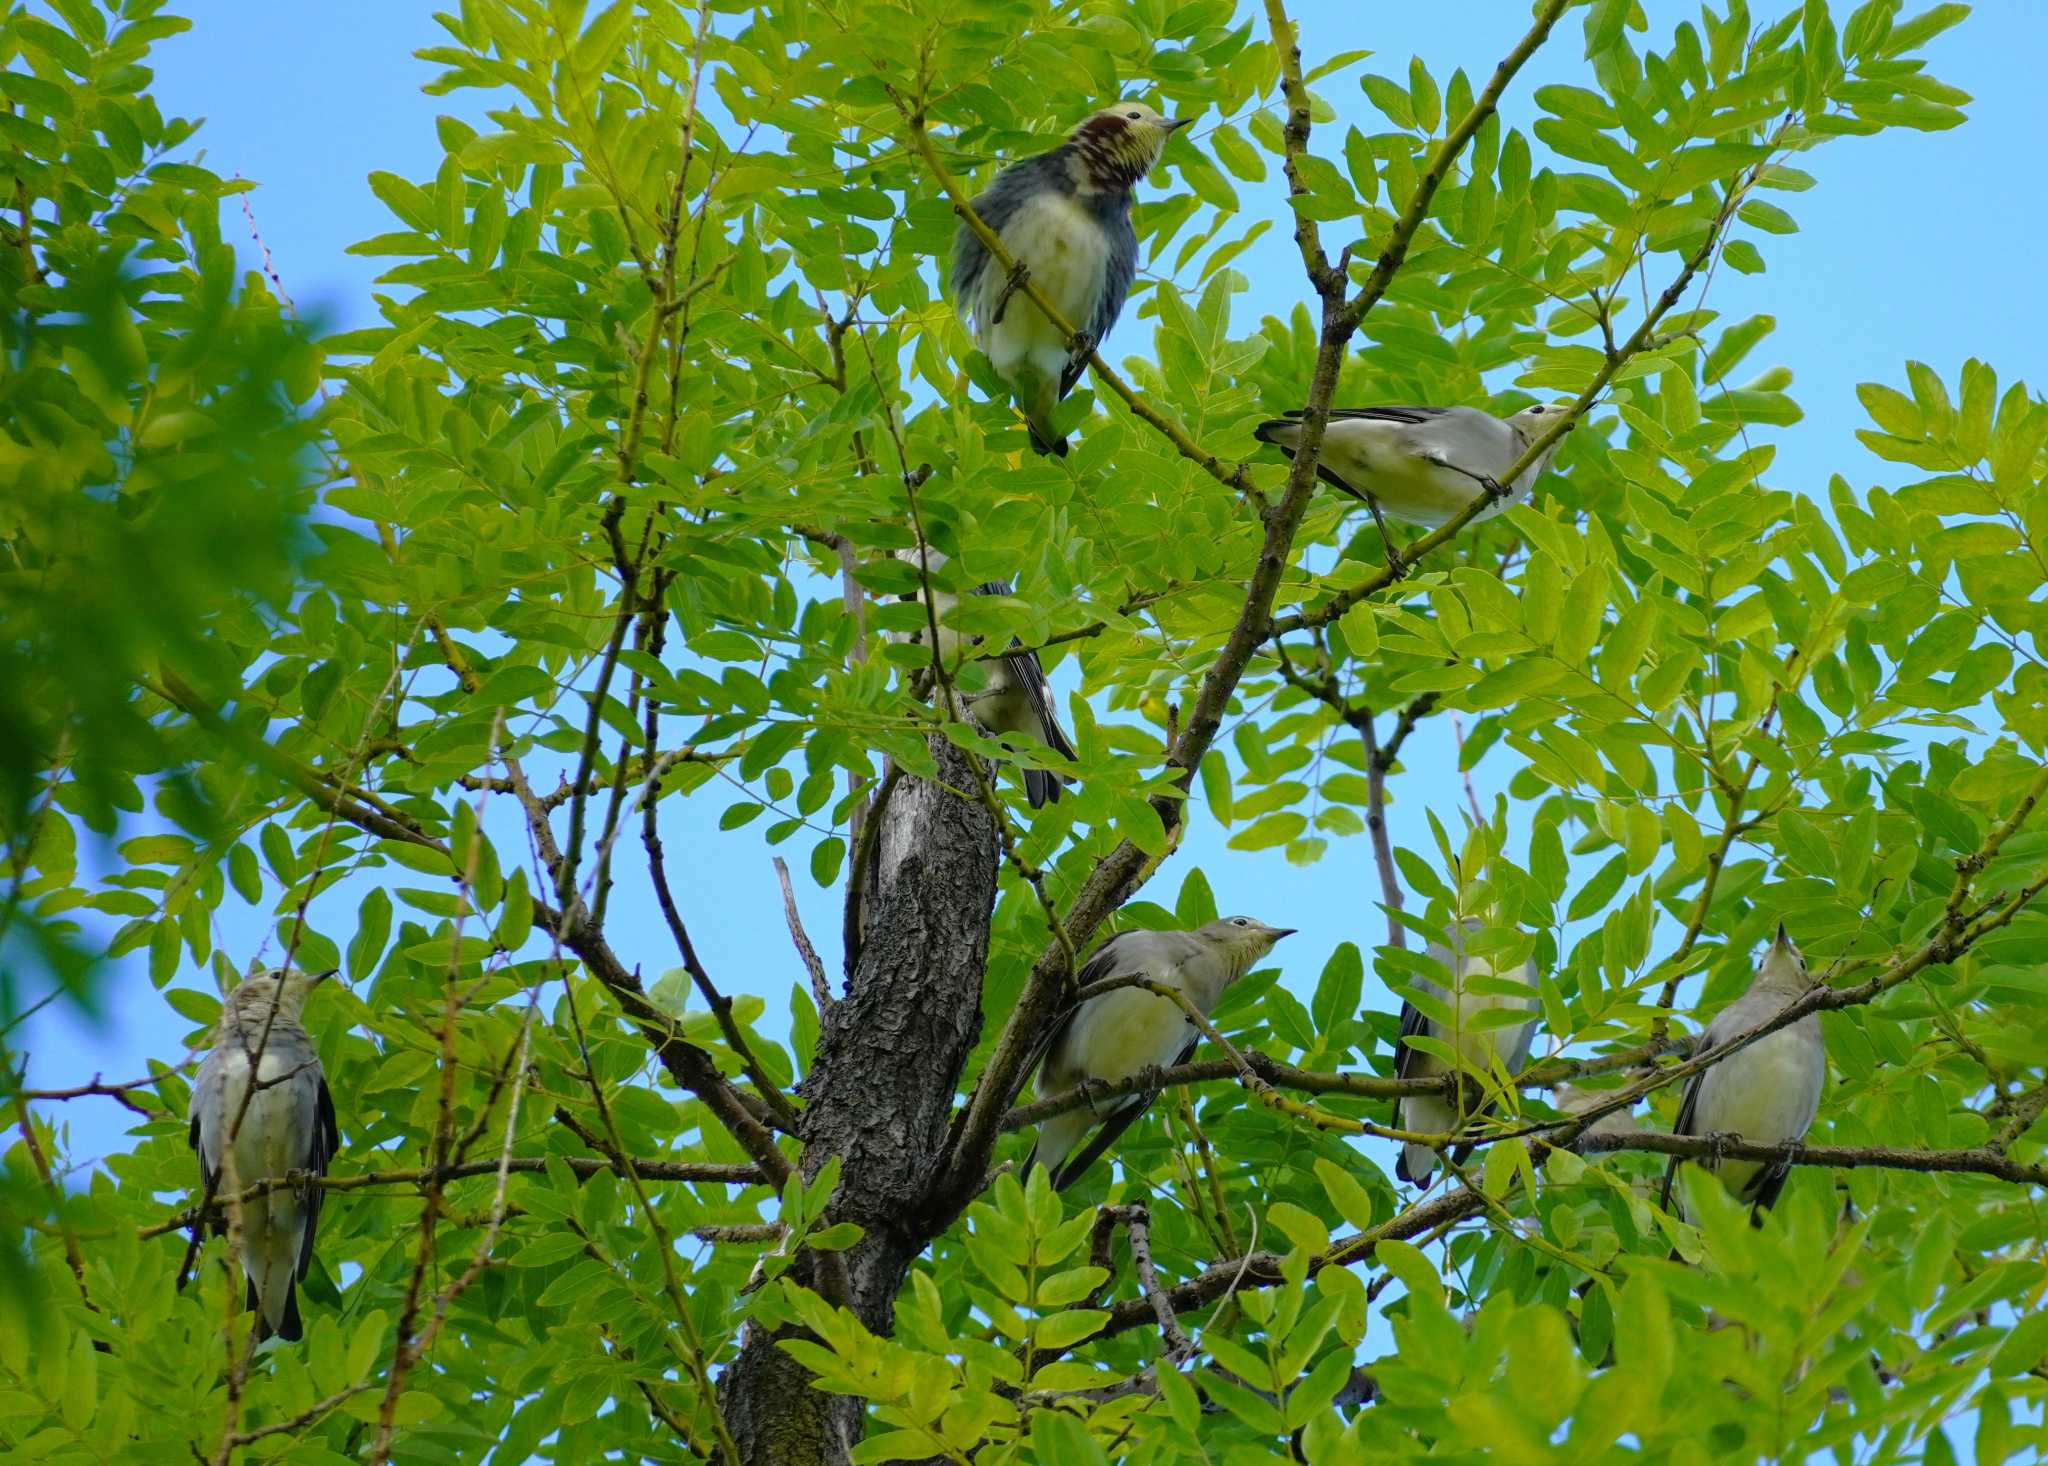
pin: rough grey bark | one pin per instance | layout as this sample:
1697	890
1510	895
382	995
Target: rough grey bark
881	1091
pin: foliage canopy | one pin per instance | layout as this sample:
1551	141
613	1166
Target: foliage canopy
411	642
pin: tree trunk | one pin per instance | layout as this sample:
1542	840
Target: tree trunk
881	1091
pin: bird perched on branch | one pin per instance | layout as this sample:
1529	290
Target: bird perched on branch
1478	1019
1065	218
1767	1092
1014	700
1127	1030
1423	465
287	1125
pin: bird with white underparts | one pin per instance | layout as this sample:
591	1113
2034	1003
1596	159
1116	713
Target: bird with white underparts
1064	216
1121	1033
1477	1022
287	1124
1423	465
1013	701
1766	1092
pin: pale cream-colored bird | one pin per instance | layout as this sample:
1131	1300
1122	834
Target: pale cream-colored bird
288	1125
1474	994
1013	701
1422	465
1117	1034
1767	1092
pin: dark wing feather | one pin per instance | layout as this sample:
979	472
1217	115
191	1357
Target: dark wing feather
326	1142
1029	673
1386	413
1413	1025
1764	1188
1100	966
1322	469
1688	1104
1116	1123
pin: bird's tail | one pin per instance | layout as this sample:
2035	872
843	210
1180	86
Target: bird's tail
289	1326
1417	1165
1055	1143
1044	441
1283	433
270	1258
1041	787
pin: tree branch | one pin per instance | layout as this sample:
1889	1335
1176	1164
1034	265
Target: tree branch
584	1167
1984	1160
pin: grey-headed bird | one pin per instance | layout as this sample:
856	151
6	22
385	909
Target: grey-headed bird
1015	701
287	1126
1065	218
1117	1034
1423	465
1475	993
1766	1093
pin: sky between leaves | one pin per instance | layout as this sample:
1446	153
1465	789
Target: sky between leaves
1909	247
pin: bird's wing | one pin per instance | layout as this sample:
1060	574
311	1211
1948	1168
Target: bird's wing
205	1107
1393	414
1688	1116
1029	674
1100	966
1263	434
1118	271
1413	1025
320	1151
1113	1125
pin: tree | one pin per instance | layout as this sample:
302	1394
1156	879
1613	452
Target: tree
606	528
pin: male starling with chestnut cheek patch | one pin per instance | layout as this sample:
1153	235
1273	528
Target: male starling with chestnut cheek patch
1065	217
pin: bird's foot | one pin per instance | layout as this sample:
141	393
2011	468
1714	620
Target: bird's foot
1084	346
1396	566
1718	1142
1019	273
1087	1088
1494	489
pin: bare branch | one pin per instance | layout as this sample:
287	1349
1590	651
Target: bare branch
821	990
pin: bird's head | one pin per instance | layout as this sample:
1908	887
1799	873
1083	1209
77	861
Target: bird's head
1784	965
254	995
1532	423
1120	143
1245	938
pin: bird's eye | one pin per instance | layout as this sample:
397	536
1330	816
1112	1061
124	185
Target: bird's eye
1239	921
1132	115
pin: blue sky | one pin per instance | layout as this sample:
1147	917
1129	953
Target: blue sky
1913	245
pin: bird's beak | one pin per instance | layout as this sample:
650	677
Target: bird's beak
320	977
1283	931
1175	124
1782	939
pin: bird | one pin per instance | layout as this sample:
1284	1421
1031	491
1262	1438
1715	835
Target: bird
1767	1092
1571	1100
288	1125
1117	1034
1064	216
1422	465
1476	1042
1015	701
